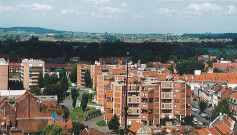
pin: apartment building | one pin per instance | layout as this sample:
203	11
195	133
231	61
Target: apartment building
150	96
30	70
3	74
95	70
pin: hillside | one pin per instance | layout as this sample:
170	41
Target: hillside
36	30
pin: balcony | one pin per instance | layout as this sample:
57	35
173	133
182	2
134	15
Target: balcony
167	95
167	106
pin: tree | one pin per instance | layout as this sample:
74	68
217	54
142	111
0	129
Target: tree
189	66
209	63
171	68
65	113
62	73
53	78
87	79
222	107
35	90
74	94
54	89
46	79
52	130
174	58
149	65
77	127
188	120
216	70
84	101
114	123
64	83
73	75
40	80
202	105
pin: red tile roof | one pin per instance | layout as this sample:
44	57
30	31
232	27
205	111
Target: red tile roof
224	129
51	122
61	123
69	124
135	126
213	131
24	95
234	95
202	131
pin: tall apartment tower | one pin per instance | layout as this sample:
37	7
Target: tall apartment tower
30	70
3	74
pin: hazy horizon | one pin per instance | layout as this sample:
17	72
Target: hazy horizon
124	16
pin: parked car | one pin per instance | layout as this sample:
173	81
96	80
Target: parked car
200	123
205	123
204	114
194	119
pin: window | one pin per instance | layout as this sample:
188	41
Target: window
170	95
150	100
144	117
163	95
144	105
175	85
176	101
170	105
150	111
176	111
144	94
163	85
129	99
137	99
163	106
137	110
174	106
175	95
176	90
170	84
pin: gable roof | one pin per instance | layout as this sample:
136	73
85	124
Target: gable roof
135	126
202	131
27	93
224	129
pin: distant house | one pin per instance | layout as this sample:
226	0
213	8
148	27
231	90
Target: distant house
139	129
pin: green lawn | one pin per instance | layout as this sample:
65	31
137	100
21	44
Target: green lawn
101	123
78	115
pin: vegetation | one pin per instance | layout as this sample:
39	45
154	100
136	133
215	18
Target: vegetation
40	80
66	113
189	66
53	79
54	89
209	63
78	114
87	79
216	70
101	123
73	75
77	128
35	90
114	123
171	68
46	79
74	94
149	65
202	105
222	107
84	101
188	120
52	130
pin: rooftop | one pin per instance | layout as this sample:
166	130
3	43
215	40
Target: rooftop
30	61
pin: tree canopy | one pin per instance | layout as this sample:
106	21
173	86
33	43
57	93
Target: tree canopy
84	101
114	123
73	75
188	66
52	130
74	94
87	79
222	107
40	80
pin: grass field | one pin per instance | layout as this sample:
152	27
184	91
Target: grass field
101	123
78	115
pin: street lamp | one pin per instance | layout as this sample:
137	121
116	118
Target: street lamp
126	96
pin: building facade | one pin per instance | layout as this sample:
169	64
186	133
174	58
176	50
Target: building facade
3	74
30	70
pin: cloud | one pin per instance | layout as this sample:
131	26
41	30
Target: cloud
66	11
97	1
232	10
166	11
123	5
37	6
6	9
112	10
204	7
138	16
183	0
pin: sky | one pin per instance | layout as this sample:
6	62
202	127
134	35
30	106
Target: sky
122	16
